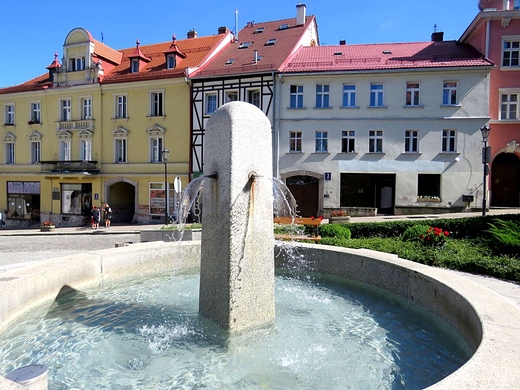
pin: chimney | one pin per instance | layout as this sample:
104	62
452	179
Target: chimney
437	36
222	30
300	14
342	42
192	34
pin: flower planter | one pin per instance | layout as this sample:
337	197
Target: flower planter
339	219
47	228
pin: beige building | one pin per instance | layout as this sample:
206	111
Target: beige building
94	128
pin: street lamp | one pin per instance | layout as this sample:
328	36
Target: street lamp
486	158
165	154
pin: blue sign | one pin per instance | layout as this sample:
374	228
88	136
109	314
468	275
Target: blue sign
328	176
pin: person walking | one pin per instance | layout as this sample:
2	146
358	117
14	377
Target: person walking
96	215
108	214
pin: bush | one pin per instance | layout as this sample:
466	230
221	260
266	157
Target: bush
414	232
505	237
338	231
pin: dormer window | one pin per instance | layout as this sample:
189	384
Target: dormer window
283	27
135	65
171	61
230	61
137	59
259	30
77	63
244	45
270	42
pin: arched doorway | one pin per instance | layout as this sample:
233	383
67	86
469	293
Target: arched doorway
505	180
305	190
121	196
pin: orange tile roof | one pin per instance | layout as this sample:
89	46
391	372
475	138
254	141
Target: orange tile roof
440	54
272	56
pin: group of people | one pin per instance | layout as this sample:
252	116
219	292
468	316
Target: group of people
95	216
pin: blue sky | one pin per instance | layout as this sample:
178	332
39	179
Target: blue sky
32	30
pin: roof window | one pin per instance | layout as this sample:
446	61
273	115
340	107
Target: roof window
259	30
387	52
338	53
244	45
283	27
230	61
270	42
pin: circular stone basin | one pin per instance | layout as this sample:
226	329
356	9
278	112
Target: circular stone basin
328	333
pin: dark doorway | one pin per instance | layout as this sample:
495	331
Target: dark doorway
368	190
305	190
122	202
504	180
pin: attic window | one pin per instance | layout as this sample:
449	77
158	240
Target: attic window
283	27
244	45
387	52
270	42
230	61
135	65
259	30
338	53
170	61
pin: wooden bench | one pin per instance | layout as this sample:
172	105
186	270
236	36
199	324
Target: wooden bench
316	222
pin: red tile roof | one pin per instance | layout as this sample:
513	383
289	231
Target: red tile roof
272	56
382	56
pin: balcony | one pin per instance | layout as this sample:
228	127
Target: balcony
83	124
70	167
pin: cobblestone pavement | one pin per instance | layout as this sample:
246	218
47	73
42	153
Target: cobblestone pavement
25	248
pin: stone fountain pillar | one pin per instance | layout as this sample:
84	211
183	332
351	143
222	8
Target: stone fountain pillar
237	267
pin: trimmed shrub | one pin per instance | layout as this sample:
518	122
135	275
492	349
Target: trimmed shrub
339	231
413	233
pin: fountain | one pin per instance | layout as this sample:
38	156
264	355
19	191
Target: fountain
230	286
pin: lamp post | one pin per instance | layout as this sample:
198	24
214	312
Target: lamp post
165	154
486	158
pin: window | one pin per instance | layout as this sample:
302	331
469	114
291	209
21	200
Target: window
259	30
9	114
171	61
321	142
121	106
510	53
412	94
429	185
9	152
86	149
376	95
231	96
230	61
411	141
449	93
253	97
120	150
244	45
449	138
77	63
296	96
270	42
65	110
516	4
76	198
86	108
35	112
348	139
65	150
135	65
36	147
322	96
349	95
156	102
375	141
156	147
509	106
211	103
295	141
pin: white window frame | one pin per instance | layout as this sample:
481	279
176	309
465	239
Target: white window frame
86	107
65	150
349	95
121	106
509	110
513	61
377	95
77	64
449	141
231	96
296	96
412	94
157	103
450	93
9	114
321	145
253	97
211	103
10	152
85	146
36	151
348	141
295	142
156	148
65	113
375	141
411	141
322	95
120	150
35	112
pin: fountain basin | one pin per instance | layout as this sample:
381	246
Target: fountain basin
488	322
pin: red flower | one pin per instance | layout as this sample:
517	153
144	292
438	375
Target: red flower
446	233
428	238
312	217
421	237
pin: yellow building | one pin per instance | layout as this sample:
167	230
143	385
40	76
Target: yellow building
94	128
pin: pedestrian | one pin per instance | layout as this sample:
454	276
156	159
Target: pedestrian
96	216
108	214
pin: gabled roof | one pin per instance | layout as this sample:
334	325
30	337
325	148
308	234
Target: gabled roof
385	56
235	60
